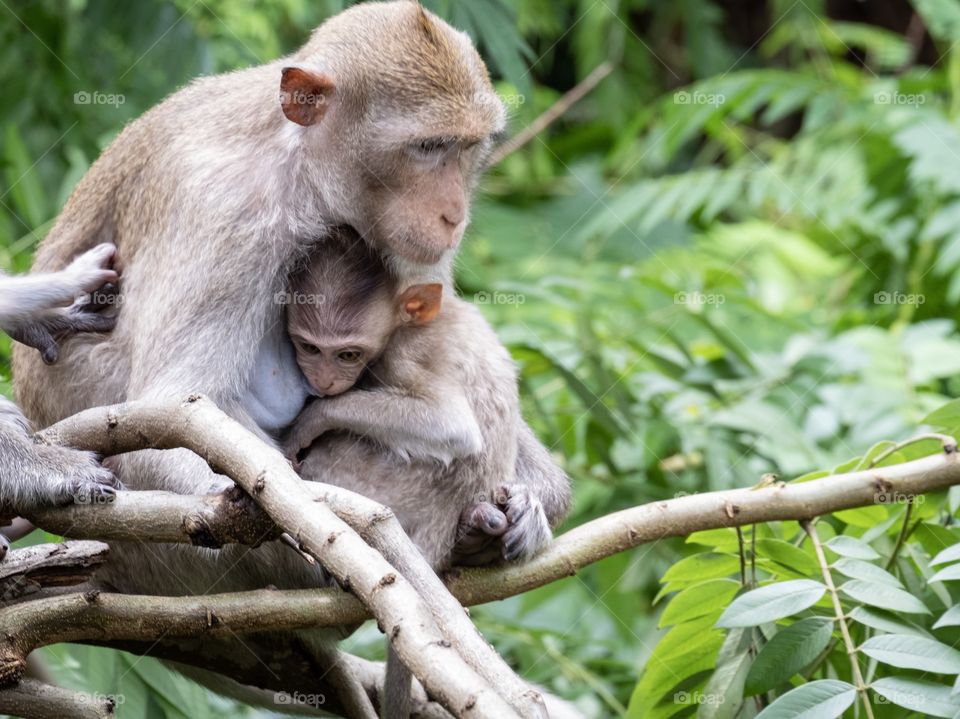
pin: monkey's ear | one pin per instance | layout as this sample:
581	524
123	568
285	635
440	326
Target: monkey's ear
419	304
304	94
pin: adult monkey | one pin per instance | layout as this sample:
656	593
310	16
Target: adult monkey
382	123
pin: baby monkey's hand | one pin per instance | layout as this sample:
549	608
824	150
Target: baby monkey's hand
514	527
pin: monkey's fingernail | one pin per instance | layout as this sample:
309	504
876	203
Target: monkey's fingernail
495	522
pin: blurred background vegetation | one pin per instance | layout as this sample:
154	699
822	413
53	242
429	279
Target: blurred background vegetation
737	256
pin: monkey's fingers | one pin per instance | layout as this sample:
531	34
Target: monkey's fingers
484	517
83	321
103	297
4	546
38	337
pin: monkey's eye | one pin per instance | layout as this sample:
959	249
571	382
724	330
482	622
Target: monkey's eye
432	146
350	356
309	348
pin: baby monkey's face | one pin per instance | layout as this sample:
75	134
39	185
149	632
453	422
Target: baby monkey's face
335	345
333	354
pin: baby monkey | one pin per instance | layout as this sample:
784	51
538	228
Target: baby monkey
431	426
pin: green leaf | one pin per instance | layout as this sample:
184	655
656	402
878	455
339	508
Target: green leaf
946	418
699	567
725	687
790	650
699	600
716	538
950	618
910	652
823	699
851	547
858	569
772	602
883	596
950	554
923	697
886	622
788	555
951	573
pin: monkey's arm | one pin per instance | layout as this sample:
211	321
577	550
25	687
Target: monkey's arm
438	425
21	297
34	311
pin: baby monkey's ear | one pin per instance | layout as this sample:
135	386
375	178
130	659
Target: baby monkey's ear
419	304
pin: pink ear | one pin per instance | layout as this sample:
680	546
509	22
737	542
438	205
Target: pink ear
421	303
304	94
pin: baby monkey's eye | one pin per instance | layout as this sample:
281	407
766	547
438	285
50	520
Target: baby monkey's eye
349	356
309	348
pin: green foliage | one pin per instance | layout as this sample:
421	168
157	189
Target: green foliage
737	257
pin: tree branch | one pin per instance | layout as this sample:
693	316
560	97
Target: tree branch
37	700
601	537
230	449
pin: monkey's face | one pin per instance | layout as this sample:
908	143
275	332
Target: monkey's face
334	344
415	199
331	369
397	155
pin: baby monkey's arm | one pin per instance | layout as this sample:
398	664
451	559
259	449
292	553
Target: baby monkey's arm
437	424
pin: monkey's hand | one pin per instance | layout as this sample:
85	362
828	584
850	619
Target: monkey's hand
308	426
45	331
39	475
479	535
529	529
75	477
92	270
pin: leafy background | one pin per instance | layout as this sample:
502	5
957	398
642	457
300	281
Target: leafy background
738	256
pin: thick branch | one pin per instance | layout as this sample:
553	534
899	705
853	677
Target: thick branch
27	570
230	449
623	530
679	517
208	520
37	700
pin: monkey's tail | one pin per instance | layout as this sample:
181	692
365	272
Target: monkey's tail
396	688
